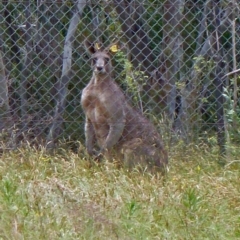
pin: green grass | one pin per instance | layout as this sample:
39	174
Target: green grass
63	196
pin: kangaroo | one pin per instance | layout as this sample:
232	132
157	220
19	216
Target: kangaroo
118	129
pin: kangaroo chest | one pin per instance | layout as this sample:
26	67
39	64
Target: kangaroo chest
95	102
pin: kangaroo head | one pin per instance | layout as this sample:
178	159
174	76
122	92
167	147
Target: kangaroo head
100	59
101	63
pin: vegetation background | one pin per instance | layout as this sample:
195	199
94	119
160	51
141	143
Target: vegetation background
63	196
177	62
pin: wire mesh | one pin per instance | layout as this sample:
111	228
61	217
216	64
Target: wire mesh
176	61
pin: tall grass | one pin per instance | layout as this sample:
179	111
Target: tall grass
63	196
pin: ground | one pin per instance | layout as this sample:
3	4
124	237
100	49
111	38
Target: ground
63	196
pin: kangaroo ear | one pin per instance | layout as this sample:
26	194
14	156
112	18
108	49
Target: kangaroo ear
113	48
93	47
98	46
90	47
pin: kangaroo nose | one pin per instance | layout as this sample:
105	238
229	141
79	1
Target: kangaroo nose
99	68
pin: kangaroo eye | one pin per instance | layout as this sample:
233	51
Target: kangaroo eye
106	60
94	60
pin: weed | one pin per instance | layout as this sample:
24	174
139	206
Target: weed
61	196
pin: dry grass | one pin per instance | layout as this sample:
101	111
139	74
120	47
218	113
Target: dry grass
62	196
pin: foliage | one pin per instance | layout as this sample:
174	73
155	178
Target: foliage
132	80
63	196
146	30
203	66
232	115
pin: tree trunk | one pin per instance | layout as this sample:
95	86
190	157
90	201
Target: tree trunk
219	78
26	71
4	98
11	35
172	51
204	74
130	14
234	53
57	121
4	104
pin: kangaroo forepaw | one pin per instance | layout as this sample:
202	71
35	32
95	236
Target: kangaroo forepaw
98	156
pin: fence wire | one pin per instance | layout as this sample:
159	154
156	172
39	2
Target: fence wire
176	61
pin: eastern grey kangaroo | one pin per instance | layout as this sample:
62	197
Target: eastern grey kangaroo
120	131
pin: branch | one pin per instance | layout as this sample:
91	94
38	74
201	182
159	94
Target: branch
230	73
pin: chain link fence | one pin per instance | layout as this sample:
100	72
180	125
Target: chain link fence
177	62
